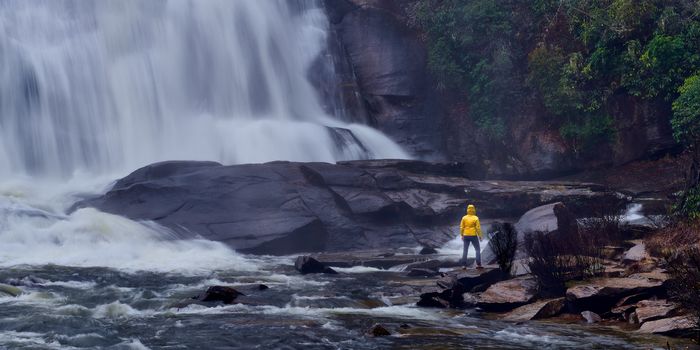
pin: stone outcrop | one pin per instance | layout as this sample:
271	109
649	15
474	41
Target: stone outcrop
287	208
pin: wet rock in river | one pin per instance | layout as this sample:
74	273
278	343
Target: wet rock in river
379	331
10	290
306	264
428	251
591	317
422	273
223	294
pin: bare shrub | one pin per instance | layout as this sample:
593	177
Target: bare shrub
557	259
504	243
684	268
605	226
673	238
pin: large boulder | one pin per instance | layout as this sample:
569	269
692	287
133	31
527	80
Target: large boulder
554	218
285	207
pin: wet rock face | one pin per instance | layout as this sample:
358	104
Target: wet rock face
389	62
537	310
286	208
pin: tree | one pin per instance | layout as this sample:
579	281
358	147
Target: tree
686	129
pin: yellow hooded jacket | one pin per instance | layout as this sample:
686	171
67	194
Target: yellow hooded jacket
470	225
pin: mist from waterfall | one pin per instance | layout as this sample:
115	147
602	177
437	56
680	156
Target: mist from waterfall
108	86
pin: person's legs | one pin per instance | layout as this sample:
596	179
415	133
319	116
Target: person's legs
477	246
465	251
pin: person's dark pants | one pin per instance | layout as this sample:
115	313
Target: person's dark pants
475	241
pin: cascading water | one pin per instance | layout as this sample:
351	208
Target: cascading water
91	90
104	86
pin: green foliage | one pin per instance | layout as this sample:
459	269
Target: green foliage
686	111
569	56
689	207
587	134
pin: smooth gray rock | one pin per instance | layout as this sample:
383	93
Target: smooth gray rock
286	208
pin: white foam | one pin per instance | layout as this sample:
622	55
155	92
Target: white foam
359	269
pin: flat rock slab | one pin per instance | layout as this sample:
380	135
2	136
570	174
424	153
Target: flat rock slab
470	278
507	295
679	326
535	311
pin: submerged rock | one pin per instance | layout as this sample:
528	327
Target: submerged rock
10	290
307	264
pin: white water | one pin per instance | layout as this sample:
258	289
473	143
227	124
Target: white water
91	90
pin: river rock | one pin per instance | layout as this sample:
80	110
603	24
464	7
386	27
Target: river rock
649	310
636	254
428	251
420	272
538	310
223	294
601	294
10	290
468	279
285	208
307	264
683	326
507	295
378	331
591	317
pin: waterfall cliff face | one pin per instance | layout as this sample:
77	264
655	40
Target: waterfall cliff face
108	86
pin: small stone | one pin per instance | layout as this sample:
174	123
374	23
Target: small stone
307	264
263	287
428	251
10	290
226	295
379	331
591	317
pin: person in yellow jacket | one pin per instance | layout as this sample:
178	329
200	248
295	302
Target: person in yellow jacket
470	229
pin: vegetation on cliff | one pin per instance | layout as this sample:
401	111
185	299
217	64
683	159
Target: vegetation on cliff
567	59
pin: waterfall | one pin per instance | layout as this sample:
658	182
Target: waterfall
111	85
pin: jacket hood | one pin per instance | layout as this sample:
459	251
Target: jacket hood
471	210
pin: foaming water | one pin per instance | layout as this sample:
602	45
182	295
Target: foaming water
105	86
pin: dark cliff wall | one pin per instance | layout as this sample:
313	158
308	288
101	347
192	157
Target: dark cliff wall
387	58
